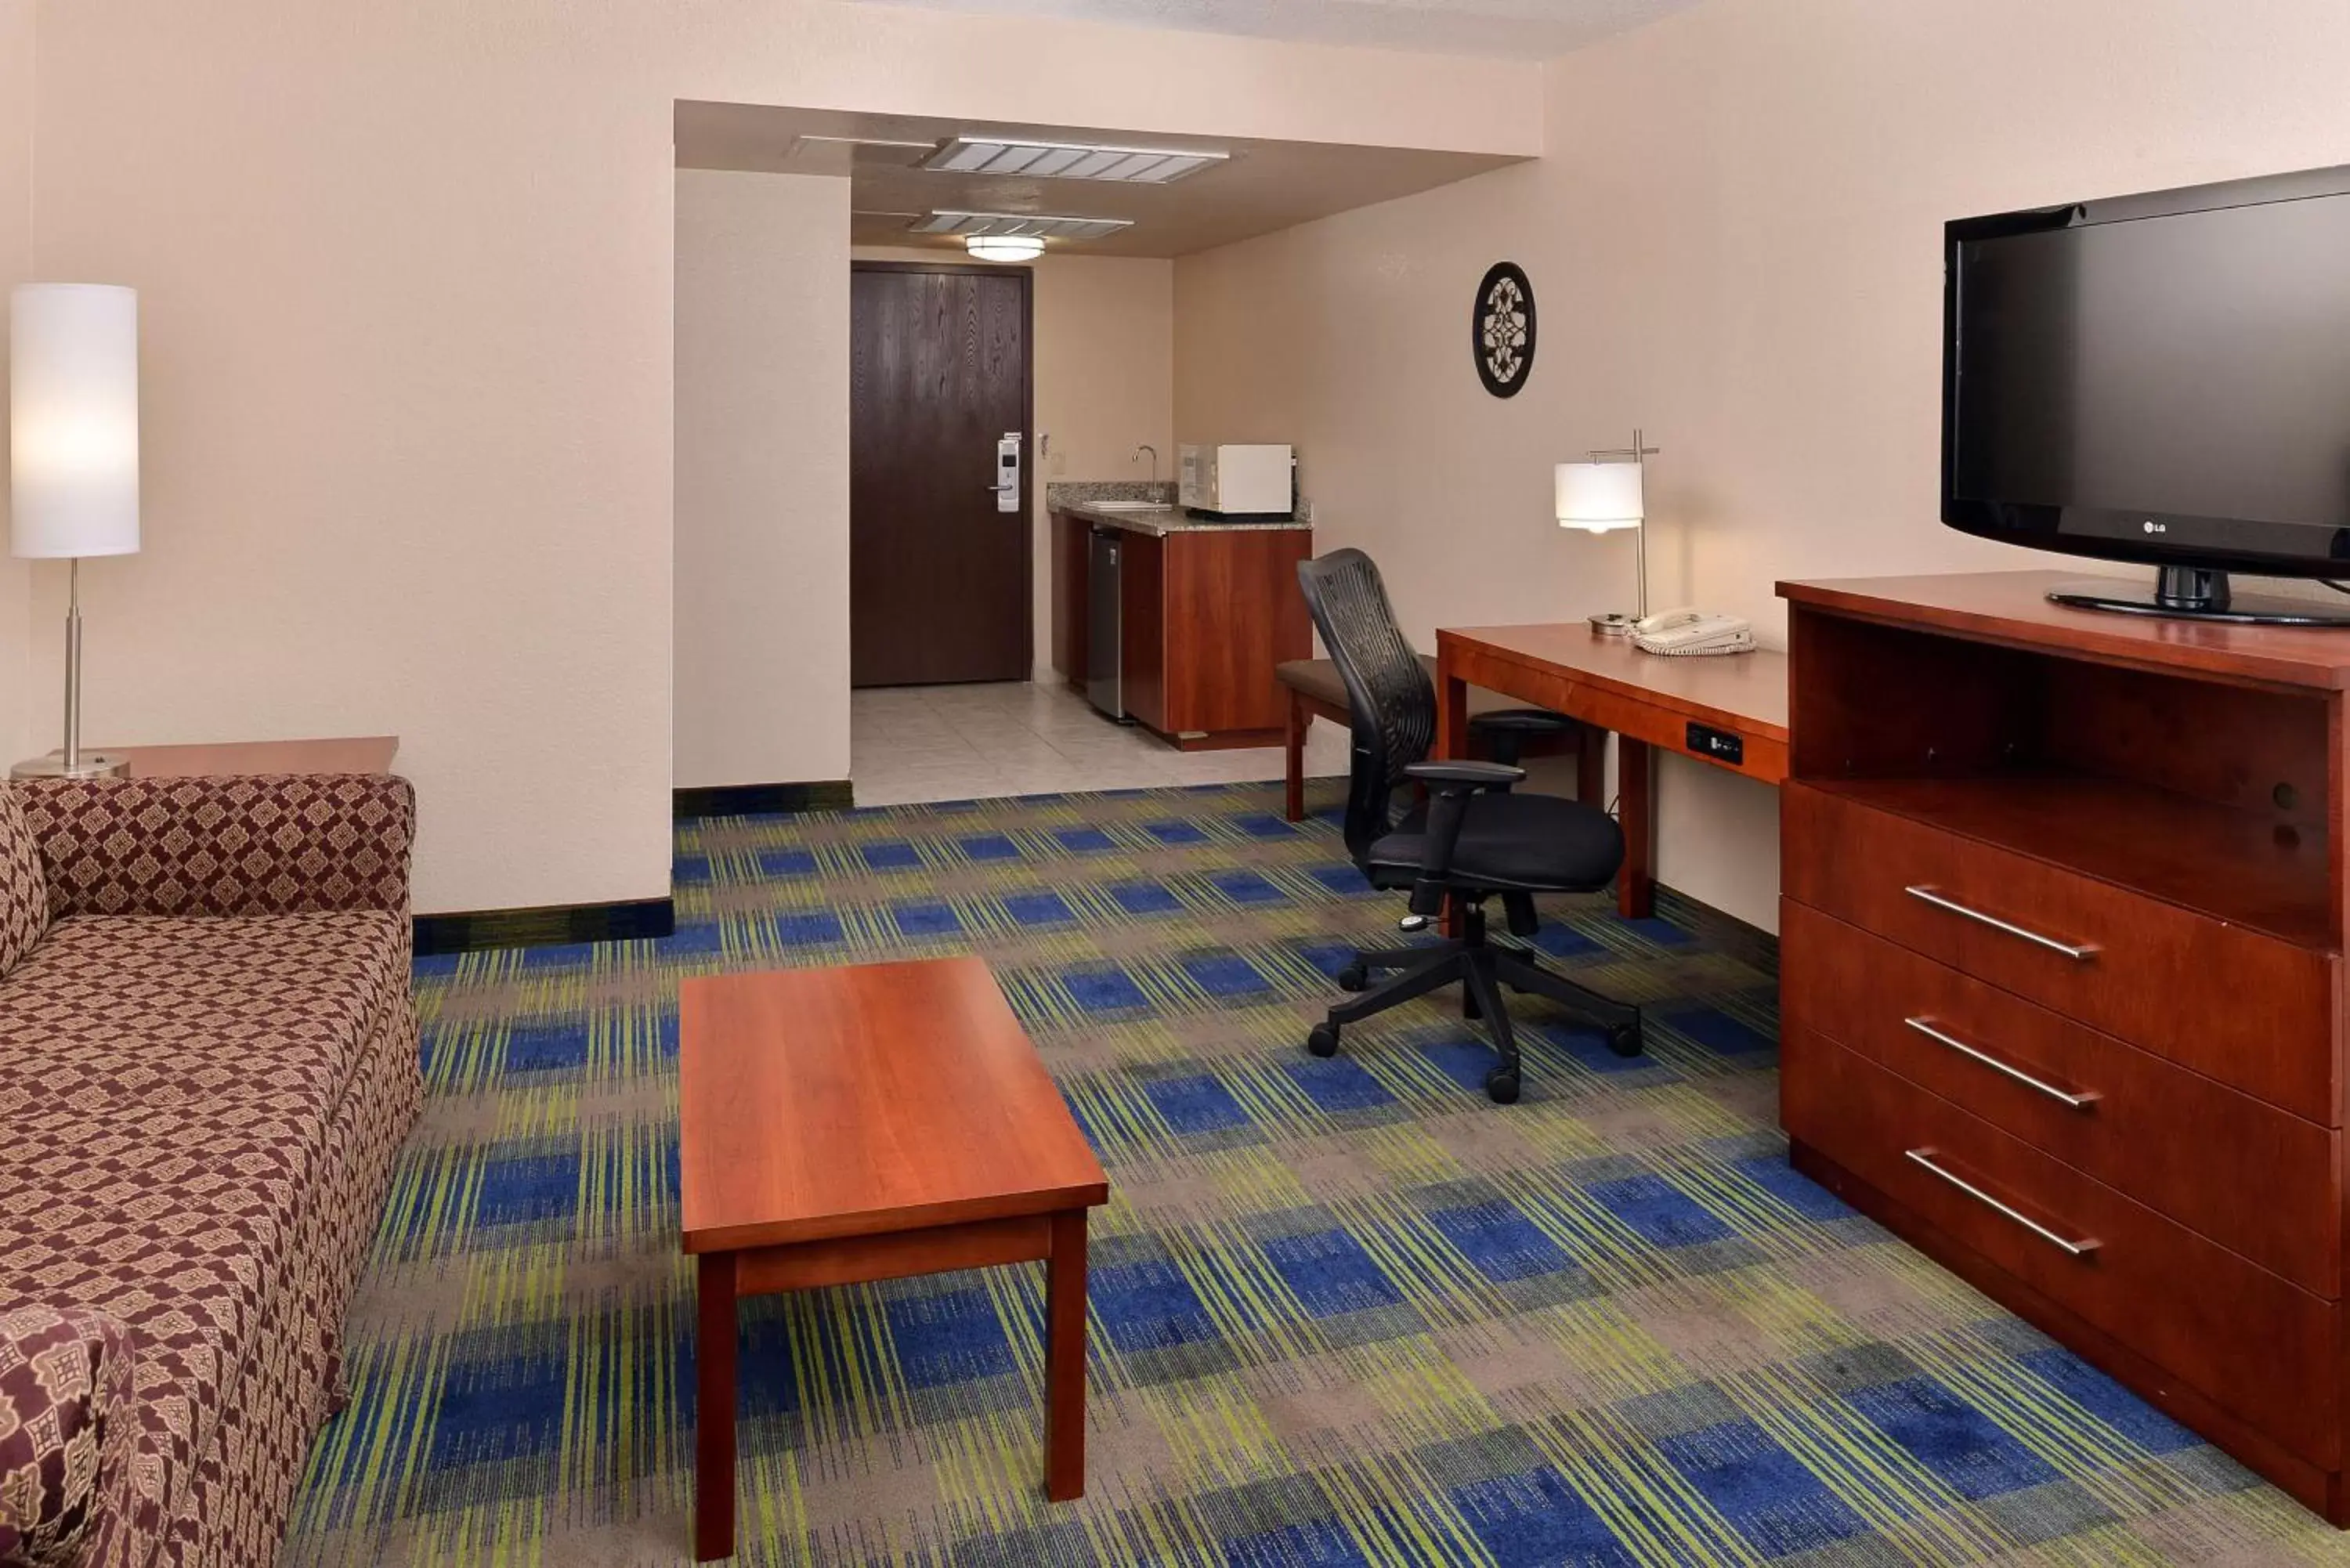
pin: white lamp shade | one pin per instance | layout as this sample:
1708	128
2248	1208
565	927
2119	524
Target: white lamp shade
1600	496
73	420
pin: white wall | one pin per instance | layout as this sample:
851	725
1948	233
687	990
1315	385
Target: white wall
406	277
1735	242
762	632
15	266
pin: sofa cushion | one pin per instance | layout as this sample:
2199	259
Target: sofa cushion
168	1086
260	843
65	1386
223	1019
24	885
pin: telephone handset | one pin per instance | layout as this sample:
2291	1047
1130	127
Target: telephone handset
1691	631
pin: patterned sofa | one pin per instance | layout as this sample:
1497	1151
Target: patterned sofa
207	1063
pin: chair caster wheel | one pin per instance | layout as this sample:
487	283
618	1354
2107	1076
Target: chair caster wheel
1625	1039
1323	1040
1355	977
1501	1084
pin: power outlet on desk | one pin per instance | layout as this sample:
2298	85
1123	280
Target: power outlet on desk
1705	741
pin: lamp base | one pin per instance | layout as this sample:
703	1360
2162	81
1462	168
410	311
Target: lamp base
93	765
1613	624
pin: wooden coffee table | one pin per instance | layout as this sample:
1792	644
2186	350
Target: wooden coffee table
838	1126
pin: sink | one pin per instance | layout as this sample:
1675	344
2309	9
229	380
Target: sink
1128	506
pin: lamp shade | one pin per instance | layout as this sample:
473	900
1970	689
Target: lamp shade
73	420
1600	496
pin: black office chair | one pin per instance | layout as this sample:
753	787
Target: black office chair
1473	839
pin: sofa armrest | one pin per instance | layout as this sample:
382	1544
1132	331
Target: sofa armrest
253	844
66	1449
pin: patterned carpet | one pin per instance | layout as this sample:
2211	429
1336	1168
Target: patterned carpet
1345	1312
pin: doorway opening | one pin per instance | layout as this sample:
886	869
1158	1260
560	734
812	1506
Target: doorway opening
942	401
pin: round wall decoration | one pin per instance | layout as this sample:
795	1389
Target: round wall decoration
1501	331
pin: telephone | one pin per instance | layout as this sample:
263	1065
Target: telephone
1688	631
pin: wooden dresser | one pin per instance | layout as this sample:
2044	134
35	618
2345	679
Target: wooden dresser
2060	937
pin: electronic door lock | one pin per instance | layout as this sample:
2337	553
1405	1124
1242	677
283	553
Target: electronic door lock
1007	473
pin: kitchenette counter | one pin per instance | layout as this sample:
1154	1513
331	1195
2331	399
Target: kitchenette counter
1174	621
1161	520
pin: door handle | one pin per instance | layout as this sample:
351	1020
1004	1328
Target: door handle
1007	473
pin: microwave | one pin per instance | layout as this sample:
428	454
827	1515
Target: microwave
1238	481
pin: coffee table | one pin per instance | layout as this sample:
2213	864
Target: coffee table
838	1126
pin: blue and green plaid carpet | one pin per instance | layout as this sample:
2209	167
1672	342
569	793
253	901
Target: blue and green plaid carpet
1344	1312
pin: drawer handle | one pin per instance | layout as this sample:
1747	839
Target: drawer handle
1926	1026
2082	953
1925	1156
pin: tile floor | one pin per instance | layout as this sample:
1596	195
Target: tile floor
913	743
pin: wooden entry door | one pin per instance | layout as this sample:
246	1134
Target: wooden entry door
939	574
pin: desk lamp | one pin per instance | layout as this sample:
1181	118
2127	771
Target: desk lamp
73	469
1602	496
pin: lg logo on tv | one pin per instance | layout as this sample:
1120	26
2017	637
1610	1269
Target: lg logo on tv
2154	527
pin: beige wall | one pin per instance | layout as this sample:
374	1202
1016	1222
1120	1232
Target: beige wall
1104	361
1734	241
15	266
1105	385
761	630
406	284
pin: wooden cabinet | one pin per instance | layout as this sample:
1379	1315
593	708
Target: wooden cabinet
2062	980
1071	539
1204	615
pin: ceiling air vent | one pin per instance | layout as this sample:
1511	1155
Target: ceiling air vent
1070	161
1023	223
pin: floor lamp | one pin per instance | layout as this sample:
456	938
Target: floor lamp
73	459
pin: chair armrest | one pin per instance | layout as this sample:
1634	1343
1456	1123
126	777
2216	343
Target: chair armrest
65	1380
252	845
1524	720
1450	785
1459	773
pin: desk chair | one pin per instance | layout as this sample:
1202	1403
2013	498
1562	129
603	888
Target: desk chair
1472	841
1497	731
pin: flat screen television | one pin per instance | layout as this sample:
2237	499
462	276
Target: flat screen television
2162	378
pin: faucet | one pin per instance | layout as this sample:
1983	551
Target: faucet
1153	450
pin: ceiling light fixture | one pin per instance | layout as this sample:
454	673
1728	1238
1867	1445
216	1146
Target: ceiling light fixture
1069	160
1003	247
1019	225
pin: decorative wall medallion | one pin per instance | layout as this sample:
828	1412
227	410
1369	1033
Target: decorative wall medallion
1502	332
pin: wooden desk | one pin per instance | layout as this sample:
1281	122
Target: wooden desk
839	1126
1646	699
342	754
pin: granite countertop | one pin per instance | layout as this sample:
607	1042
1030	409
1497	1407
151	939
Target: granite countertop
1076	499
1165	520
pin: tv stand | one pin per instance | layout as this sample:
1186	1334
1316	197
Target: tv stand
2194	593
2062	996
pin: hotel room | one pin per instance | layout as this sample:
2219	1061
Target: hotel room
924	782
